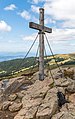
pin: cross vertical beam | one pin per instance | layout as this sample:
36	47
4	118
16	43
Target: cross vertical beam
41	45
41	29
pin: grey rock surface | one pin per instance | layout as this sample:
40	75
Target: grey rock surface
40	100
15	107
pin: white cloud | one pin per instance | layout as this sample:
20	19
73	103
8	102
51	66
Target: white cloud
61	40
4	26
35	19
60	14
31	37
48	20
62	35
10	7
1	37
57	35
68	24
60	9
37	1
35	9
25	15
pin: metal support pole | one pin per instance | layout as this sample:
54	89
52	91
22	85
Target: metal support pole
41	45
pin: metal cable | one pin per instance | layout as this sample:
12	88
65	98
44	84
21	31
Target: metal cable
35	58
52	53
31	46
27	52
51	73
48	64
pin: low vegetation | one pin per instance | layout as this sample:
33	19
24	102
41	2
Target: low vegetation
19	67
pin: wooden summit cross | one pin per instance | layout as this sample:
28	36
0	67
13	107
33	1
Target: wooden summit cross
41	29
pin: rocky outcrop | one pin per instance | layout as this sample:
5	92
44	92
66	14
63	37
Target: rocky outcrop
67	111
35	102
71	98
15	107
67	83
41	99
12	97
6	105
49	105
14	84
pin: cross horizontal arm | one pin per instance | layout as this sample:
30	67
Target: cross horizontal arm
39	27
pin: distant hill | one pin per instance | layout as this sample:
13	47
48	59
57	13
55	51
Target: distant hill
12	66
5	56
16	66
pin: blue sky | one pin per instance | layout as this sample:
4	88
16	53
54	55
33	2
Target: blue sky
15	15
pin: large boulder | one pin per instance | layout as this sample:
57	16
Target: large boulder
39	88
63	115
20	95
15	107
5	105
72	98
25	113
14	84
67	111
71	87
12	97
63	82
49	105
67	83
69	72
40	101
